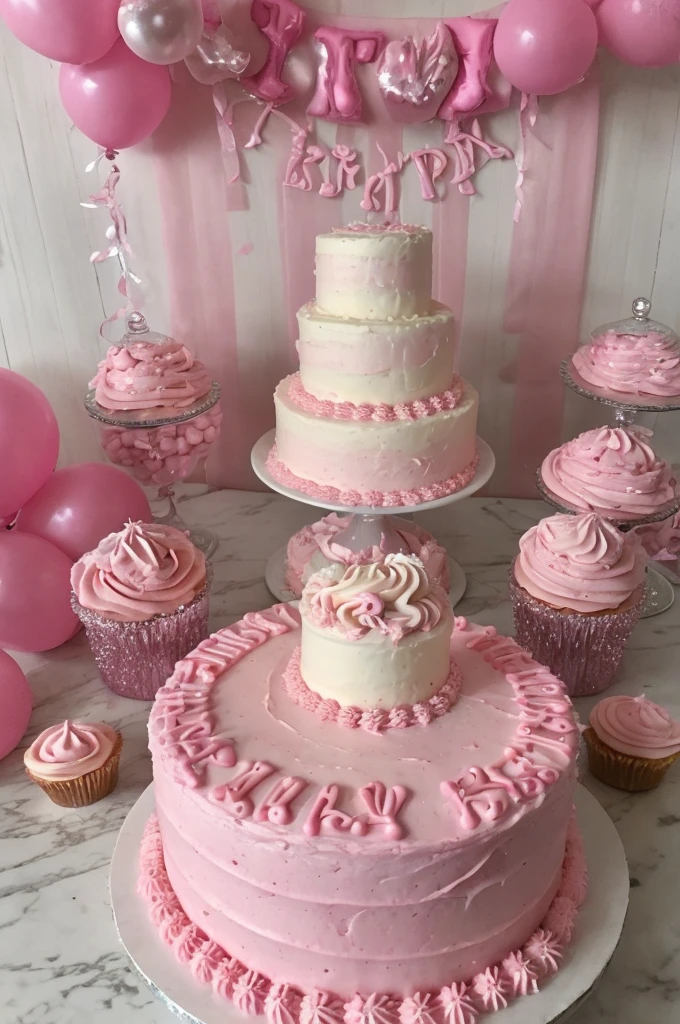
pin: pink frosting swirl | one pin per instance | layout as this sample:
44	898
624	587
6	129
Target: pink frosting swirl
636	726
647	364
143	571
393	596
580	562
611	471
70	750
149	375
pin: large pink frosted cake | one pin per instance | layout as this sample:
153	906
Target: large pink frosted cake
376	415
364	807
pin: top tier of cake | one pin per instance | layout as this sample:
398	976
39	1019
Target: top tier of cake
376	635
374	273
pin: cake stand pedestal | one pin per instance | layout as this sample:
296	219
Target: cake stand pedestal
596	936
660	594
369	523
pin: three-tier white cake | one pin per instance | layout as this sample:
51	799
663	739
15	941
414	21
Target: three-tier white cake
376	414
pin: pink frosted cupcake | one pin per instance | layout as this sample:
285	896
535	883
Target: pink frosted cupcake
631	743
631	364
611	471
75	763
577	588
146	376
142	596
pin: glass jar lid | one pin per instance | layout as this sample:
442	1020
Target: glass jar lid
138	330
638	325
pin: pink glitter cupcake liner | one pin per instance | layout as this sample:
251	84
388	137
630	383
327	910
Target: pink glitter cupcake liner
136	658
583	651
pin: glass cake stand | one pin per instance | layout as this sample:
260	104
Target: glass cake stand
369	524
162	450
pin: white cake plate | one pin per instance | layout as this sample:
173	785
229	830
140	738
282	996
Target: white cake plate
275	578
262	448
596	936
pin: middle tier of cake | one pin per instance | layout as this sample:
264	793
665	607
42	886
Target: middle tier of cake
375	454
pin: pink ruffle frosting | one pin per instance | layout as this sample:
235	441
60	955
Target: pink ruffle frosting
612	471
325	536
580	562
380	413
143	571
149	375
636	726
360	227
70	750
519	973
371	499
631	364
370	719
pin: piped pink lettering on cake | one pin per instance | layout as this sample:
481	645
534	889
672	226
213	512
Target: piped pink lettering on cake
337	96
325	817
281	21
430	164
382	808
275	807
234	794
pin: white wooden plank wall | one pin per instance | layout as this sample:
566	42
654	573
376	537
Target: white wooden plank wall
52	300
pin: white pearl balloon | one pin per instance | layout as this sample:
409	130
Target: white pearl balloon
161	31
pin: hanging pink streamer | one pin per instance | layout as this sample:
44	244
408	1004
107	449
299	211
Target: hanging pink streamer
116	234
281	21
528	112
548	260
337	96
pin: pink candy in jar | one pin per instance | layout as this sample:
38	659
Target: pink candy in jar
166	454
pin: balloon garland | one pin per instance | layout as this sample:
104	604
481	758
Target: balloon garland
115	82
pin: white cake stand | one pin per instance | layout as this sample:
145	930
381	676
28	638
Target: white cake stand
596	936
372	519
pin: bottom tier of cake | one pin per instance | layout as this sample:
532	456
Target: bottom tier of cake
377	455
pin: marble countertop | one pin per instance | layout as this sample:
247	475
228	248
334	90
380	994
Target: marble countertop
60	962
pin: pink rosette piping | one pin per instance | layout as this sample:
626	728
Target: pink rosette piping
381	413
371	719
370	499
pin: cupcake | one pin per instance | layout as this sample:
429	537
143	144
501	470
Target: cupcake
611	471
146	376
324	543
76	763
631	742
577	588
142	596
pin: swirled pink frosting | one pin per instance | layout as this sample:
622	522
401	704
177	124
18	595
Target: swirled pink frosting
149	375
70	750
647	364
612	471
580	562
143	571
393	596
636	726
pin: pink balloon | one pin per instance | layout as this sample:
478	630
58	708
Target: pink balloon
545	46
645	33
16	702
80	504
35	594
70	31
119	100
29	441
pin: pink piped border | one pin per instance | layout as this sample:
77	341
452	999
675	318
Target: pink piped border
371	499
382	413
518	974
371	719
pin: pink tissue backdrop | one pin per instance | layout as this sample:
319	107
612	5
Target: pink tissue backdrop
248	355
